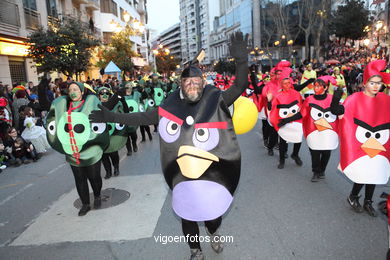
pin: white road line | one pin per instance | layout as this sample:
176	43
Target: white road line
56	168
16	194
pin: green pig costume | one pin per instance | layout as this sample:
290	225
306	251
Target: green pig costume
117	132
69	132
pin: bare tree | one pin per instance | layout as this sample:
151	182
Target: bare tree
307	10
322	15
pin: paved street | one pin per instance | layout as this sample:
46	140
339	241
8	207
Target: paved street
276	214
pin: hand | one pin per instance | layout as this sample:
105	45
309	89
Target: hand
100	116
311	80
269	96
238	46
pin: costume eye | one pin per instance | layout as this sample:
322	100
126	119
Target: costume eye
132	105
169	130
294	109
151	103
362	134
316	114
283	112
206	138
98	128
119	127
79	128
141	108
51	127
330	117
382	136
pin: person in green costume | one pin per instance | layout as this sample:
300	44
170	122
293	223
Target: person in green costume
70	132
132	98
118	134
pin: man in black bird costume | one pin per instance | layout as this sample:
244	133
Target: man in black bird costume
200	156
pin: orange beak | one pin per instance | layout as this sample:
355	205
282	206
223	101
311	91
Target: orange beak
322	124
372	147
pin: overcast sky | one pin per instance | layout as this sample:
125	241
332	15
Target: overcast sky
162	14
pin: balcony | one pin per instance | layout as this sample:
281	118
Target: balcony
92	5
33	19
80	1
9	14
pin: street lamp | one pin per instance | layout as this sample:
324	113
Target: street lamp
160	51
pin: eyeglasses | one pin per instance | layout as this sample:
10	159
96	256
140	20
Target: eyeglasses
13	131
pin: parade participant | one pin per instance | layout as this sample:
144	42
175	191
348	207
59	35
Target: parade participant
286	118
340	83
132	99
364	137
117	132
200	156
309	73
320	126
70	132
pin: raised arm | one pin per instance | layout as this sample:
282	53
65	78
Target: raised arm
238	50
143	118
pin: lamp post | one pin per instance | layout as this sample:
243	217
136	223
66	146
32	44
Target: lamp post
162	52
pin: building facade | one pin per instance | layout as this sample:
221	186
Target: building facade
234	16
196	18
19	18
170	39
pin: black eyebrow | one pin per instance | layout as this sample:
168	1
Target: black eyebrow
287	105
319	108
371	128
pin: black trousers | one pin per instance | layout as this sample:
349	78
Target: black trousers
114	156
319	160
191	229
82	175
266	130
283	148
131	140
273	137
370	188
144	128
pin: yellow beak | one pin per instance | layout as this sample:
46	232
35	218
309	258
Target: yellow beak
193	162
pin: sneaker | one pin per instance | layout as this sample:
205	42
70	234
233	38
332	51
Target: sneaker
216	246
315	177
297	160
3	167
321	175
196	254
270	152
129	153
84	210
354	203
135	148
367	206
116	171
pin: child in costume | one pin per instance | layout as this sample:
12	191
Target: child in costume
320	126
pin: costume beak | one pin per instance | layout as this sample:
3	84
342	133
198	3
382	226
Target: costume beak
372	147
322	124
193	162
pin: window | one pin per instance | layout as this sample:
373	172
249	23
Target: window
18	71
51	8
30	4
121	12
108	6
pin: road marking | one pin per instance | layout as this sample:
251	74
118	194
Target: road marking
134	219
56	169
16	194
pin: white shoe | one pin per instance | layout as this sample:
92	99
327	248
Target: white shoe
2	167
